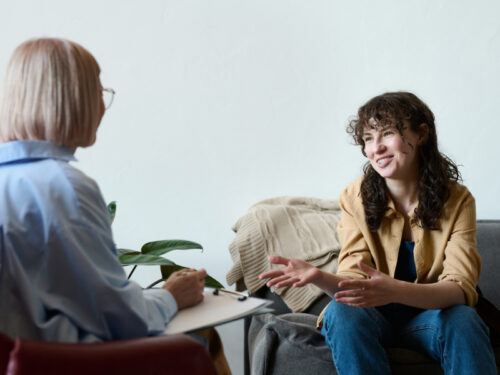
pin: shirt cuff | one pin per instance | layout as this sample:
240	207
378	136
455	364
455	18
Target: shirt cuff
166	299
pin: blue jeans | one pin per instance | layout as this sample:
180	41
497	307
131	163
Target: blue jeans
456	337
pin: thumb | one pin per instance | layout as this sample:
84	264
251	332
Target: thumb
276	259
367	269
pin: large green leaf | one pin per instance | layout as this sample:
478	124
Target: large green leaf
112	211
138	258
212	283
126	251
163	247
166	272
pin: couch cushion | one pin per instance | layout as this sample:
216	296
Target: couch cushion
290	344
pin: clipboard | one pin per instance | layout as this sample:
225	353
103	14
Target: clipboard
219	306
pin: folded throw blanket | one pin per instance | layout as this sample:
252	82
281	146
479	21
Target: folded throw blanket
295	227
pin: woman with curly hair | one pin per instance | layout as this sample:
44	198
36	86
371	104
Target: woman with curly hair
408	268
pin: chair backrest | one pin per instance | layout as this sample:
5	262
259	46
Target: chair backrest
6	345
176	354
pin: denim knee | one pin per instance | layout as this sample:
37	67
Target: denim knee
463	321
356	336
344	318
337	312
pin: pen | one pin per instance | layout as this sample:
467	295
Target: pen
241	297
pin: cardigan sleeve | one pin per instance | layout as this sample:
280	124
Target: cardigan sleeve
351	237
462	263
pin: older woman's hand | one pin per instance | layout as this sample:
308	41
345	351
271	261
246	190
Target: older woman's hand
186	286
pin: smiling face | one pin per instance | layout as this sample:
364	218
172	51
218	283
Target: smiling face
393	155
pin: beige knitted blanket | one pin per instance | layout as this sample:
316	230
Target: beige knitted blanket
296	227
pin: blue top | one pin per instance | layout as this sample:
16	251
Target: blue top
60	278
405	268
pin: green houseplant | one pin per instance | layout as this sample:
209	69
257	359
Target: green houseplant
151	254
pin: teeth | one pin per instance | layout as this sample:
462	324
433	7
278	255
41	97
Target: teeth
381	161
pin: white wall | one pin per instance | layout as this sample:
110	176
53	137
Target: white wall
221	103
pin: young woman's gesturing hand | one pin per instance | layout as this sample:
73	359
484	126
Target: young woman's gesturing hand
378	290
295	273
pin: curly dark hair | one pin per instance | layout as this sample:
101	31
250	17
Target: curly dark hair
436	170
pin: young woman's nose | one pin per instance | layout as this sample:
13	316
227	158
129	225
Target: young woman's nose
379	146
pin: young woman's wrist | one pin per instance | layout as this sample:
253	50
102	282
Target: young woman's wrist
400	291
328	282
318	278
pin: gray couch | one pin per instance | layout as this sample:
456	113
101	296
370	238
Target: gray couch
288	343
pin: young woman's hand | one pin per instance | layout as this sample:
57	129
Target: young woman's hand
378	290
296	273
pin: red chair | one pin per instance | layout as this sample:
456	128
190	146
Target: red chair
176	354
6	345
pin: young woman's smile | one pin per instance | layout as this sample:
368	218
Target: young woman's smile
392	155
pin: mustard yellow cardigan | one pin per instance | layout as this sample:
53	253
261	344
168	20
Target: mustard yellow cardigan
446	254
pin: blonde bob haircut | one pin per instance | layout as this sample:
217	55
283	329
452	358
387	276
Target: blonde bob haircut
51	92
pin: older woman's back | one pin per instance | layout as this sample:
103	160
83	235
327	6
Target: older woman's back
59	276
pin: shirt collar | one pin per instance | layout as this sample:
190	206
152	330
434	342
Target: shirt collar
391	208
17	151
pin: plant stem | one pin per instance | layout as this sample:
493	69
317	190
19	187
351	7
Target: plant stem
131	272
153	284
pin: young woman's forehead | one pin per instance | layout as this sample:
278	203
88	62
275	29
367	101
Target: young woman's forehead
384	123
374	126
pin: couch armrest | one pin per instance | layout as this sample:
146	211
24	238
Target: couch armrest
176	354
488	245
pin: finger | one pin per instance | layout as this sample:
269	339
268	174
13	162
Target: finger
354	284
202	273
289	282
358	305
351	300
195	276
367	269
277	280
184	272
276	259
301	283
350	293
271	274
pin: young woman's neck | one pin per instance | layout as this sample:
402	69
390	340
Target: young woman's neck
403	193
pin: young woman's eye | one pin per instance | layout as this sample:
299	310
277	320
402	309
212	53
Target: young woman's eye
367	139
388	132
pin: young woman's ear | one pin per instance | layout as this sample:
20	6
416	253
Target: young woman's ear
423	133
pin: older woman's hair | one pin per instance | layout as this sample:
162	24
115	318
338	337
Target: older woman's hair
51	92
436	170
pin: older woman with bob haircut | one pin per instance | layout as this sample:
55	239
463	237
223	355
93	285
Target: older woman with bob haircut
408	267
60	279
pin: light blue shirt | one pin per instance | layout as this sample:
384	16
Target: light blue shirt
60	278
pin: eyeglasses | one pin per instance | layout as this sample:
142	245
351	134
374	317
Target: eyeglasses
108	96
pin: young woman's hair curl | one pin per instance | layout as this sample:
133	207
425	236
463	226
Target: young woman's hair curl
436	170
